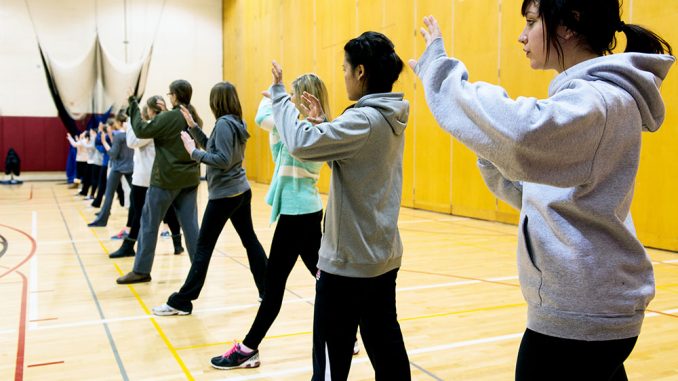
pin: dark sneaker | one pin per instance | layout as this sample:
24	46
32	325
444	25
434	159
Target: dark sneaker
132	277
234	359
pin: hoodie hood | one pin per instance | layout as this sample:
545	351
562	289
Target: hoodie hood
639	74
392	106
238	125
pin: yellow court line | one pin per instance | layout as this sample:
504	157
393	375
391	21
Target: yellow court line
164	338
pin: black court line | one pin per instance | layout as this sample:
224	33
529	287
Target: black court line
4	245
114	348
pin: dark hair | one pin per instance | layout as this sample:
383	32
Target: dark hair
152	103
183	92
595	22
121	117
224	100
376	53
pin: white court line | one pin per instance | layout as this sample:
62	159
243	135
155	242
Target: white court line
437	348
33	313
36	327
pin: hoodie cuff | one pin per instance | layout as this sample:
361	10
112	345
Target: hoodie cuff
277	91
435	50
197	155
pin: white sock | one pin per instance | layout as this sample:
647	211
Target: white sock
245	349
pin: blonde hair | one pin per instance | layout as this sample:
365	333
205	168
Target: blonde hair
312	84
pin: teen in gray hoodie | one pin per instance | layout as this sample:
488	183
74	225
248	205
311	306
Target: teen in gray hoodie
229	195
569	164
361	251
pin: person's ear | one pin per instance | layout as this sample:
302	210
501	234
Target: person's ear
360	72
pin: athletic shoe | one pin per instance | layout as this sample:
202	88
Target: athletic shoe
234	359
356	348
167	310
165	234
121	235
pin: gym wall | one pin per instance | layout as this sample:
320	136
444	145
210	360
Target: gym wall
440	174
188	45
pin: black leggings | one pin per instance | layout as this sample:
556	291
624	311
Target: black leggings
137	200
543	357
294	236
238	210
341	305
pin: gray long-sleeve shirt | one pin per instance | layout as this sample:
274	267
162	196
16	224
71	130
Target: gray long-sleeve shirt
122	157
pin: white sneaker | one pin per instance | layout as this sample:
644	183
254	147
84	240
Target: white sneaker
167	310
356	348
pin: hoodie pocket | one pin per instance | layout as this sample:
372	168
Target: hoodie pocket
529	274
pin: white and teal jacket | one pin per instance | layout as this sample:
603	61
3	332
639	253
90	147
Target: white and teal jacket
294	186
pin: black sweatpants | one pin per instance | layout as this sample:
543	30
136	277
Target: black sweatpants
137	200
238	209
341	305
543	357
294	236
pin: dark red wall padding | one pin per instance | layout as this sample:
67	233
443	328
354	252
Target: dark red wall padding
40	142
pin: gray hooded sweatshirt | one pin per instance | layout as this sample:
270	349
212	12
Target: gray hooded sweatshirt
569	164
224	153
364	149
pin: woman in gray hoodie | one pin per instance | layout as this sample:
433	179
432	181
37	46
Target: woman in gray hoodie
229	195
569	163
360	252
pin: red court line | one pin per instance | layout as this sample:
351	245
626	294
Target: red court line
45	363
29	256
45	319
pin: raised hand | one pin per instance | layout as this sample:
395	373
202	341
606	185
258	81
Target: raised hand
431	32
277	74
312	108
189	143
161	103
188	117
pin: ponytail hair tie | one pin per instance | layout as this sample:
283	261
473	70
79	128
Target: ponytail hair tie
620	26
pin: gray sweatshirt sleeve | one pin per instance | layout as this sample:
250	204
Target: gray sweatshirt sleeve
223	139
500	186
551	141
336	140
116	146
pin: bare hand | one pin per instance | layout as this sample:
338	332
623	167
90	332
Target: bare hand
130	92
187	116
161	104
189	143
312	108
429	35
277	74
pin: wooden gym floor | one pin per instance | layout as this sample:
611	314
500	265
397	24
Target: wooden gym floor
64	317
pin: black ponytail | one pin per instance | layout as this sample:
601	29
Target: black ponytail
641	40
